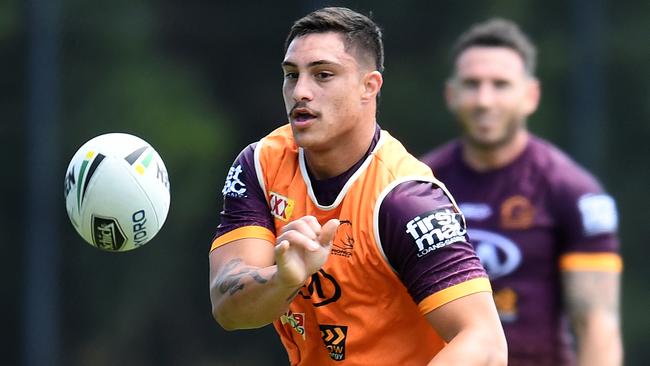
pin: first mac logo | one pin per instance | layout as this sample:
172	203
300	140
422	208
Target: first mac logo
435	229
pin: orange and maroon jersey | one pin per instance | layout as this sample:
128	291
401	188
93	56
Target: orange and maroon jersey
528	221
400	251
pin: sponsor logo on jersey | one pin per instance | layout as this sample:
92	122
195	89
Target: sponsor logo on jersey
436	229
334	337
506	301
296	321
517	213
322	289
499	255
107	233
475	211
343	241
281	206
598	214
234	187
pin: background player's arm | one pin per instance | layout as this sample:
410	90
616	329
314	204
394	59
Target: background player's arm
252	282
470	325
592	300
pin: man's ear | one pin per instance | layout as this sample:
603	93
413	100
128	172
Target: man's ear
533	96
372	83
450	95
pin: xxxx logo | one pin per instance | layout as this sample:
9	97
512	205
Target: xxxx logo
334	337
281	206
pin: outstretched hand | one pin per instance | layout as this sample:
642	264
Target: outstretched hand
302	248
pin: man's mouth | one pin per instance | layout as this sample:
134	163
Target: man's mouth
302	114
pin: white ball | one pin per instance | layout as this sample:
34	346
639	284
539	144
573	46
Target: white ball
117	192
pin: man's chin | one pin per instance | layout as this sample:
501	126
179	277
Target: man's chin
305	139
486	143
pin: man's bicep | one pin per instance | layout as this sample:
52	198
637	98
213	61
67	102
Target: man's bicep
243	256
475	311
254	252
587	291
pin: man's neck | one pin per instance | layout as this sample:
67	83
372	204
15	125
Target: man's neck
342	156
481	159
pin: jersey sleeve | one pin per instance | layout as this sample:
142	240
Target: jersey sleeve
588	222
423	236
245	211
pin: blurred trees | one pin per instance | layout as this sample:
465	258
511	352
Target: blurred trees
199	81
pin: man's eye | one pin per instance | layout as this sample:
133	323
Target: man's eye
470	84
324	75
290	75
501	84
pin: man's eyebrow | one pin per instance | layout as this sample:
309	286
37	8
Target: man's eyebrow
311	64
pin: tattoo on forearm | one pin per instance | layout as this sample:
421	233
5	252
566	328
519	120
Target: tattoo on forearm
232	282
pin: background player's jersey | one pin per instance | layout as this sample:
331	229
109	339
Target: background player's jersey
539	213
400	251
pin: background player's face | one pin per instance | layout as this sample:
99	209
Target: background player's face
491	95
324	91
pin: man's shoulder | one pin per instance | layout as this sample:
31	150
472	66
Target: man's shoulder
560	169
442	155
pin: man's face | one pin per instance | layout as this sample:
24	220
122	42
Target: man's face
323	90
491	95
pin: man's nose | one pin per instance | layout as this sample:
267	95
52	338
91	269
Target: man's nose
302	89
485	95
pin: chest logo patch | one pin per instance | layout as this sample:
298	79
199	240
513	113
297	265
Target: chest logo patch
343	241
321	289
281	206
334	338
517	212
506	302
296	321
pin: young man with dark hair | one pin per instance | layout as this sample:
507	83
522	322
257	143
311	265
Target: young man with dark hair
543	226
335	234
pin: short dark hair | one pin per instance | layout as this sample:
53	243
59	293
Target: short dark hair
497	32
360	33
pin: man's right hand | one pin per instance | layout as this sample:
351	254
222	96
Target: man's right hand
302	248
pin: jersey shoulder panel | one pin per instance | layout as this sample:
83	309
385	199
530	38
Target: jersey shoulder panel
442	156
423	236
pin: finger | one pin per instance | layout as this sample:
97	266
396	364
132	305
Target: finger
312	222
281	249
299	240
327	232
308	226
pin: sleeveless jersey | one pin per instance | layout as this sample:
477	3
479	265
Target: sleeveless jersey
356	309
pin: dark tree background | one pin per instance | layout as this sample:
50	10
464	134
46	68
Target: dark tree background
200	80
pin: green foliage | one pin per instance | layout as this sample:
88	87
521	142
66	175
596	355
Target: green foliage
186	75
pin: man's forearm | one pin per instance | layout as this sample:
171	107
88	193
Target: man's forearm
245	297
471	348
599	341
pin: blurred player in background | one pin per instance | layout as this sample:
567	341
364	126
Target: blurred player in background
543	227
335	234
